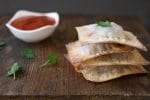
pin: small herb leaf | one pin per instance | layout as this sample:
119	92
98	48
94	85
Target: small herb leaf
2	44
104	23
52	59
28	53
14	69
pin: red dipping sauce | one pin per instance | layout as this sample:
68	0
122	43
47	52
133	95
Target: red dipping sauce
32	22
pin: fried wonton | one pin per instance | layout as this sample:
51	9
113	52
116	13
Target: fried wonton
79	51
101	74
127	58
112	34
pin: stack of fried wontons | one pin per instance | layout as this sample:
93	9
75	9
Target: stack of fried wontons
106	53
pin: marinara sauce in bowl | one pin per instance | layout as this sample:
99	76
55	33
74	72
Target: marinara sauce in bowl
32	26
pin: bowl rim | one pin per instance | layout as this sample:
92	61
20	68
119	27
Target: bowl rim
48	14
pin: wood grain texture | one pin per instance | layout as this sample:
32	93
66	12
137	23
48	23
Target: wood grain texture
61	81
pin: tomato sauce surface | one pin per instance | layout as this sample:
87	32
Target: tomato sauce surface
32	22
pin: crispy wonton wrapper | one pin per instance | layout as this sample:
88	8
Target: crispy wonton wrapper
112	34
106	73
101	74
79	51
128	58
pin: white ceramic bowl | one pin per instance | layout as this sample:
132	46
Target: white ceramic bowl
35	35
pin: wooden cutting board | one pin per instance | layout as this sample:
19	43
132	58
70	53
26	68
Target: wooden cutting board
61	81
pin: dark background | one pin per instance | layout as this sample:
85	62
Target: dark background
139	8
